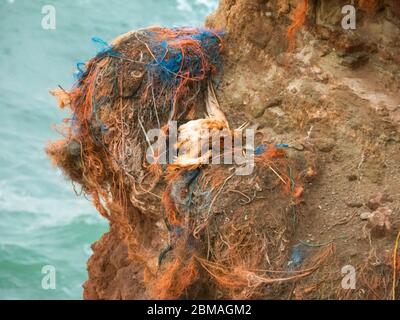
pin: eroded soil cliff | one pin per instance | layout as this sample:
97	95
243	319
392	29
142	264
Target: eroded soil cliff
330	93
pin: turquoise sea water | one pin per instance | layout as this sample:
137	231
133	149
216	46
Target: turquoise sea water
42	221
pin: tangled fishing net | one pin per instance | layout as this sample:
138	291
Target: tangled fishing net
198	230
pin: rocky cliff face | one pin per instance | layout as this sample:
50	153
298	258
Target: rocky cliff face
296	75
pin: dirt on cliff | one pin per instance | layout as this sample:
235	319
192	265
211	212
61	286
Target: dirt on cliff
324	196
339	89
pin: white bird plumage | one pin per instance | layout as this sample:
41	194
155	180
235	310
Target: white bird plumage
194	136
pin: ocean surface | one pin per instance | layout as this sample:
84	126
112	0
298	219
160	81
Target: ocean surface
43	224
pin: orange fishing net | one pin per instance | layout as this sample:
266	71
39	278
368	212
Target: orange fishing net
192	227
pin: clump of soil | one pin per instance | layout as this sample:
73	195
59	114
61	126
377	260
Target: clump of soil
189	228
340	89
